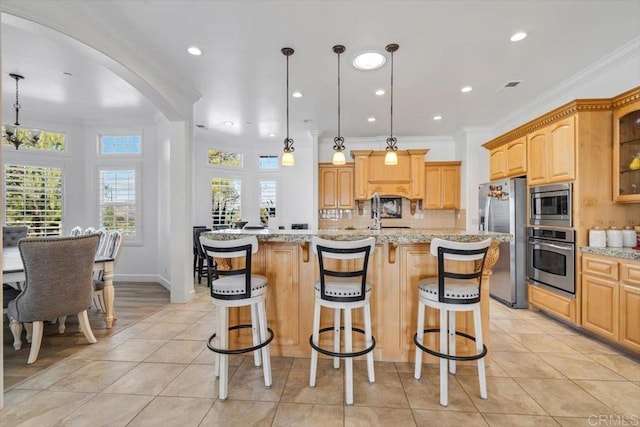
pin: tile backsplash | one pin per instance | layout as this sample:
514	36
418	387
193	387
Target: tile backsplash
342	218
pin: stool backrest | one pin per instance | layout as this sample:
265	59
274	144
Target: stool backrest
237	248
197	248
475	252
76	231
343	250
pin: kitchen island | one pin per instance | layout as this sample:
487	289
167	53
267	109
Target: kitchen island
400	260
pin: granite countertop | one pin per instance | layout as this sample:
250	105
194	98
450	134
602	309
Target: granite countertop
626	253
399	235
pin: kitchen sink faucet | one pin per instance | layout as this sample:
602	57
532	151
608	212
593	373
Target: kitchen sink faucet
376	208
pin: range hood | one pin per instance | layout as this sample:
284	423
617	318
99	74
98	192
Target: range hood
406	179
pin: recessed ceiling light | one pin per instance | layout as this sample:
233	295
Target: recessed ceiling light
272	135
466	89
380	92
297	94
518	36
369	61
437	117
227	123
371	119
194	51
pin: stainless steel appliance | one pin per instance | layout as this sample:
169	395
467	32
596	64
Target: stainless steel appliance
551	205
551	259
502	208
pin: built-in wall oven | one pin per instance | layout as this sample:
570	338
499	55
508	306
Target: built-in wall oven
551	205
551	259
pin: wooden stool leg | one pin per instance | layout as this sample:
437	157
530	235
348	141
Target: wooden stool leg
477	326
266	359
348	344
255	327
444	385
369	341
315	338
420	331
452	340
224	362
336	336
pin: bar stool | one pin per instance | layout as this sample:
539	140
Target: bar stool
237	288
451	292
343	290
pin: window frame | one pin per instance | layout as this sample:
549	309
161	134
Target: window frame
229	177
119	156
136	165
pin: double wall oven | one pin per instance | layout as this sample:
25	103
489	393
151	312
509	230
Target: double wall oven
551	252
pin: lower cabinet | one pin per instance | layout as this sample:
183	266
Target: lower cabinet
611	299
559	305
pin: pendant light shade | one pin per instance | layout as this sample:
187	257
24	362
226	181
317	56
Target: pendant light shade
338	141
14	134
287	157
391	158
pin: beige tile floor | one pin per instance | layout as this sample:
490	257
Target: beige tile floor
158	372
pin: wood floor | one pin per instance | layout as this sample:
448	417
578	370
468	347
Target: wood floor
134	302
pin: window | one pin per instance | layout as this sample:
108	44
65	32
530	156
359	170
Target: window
118	201
268	162
47	140
222	158
268	193
122	144
33	197
225	201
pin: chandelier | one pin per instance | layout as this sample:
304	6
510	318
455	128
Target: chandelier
14	134
287	157
338	141
391	158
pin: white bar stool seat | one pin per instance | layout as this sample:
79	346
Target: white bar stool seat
237	288
343	290
451	292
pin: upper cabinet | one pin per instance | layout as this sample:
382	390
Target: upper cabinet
626	152
509	159
442	185
551	153
336	186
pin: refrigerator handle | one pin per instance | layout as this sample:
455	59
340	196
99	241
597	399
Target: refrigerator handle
487	214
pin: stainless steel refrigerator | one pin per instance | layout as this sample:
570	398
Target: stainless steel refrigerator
502	208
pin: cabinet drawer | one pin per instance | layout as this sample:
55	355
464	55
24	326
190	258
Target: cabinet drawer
630	274
552	302
598	266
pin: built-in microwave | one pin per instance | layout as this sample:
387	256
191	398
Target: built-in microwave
551	205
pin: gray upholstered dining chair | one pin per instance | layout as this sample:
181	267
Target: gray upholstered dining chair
11	234
59	282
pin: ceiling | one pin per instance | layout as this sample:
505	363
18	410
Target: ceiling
444	45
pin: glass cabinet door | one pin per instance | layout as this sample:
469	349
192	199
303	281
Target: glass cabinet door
626	154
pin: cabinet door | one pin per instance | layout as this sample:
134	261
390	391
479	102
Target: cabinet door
600	306
630	317
626	144
561	151
328	188
344	181
517	157
433	187
497	163
450	193
537	157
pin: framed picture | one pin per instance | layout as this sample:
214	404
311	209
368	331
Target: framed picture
390	207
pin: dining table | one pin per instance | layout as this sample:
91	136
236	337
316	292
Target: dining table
13	274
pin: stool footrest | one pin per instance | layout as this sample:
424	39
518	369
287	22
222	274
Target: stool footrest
480	355
334	354
239	350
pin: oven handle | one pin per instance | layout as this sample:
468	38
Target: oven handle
551	245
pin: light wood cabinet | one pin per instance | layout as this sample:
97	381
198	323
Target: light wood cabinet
611	299
442	185
552	302
508	160
626	146
551	153
336	186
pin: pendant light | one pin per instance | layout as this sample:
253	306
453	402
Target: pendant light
287	157
391	158
338	141
11	132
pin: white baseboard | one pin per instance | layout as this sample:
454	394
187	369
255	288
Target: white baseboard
143	278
